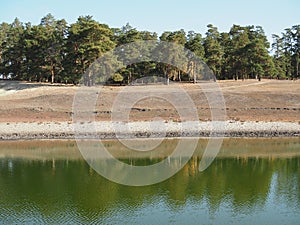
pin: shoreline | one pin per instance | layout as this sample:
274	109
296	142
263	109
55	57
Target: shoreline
143	129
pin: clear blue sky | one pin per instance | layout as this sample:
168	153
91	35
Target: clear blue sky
162	15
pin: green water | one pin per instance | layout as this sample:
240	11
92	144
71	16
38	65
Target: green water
49	182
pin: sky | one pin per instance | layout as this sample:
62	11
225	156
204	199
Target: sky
162	15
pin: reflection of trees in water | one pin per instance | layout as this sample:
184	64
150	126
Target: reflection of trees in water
242	183
287	181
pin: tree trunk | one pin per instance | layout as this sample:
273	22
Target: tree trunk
193	72
52	75
129	77
297	66
166	76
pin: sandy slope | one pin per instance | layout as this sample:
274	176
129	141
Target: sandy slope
42	108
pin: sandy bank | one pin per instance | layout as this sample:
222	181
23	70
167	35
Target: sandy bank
249	100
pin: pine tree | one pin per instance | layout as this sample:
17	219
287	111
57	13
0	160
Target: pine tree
12	54
213	50
87	40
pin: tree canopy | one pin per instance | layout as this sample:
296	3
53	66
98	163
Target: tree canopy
55	51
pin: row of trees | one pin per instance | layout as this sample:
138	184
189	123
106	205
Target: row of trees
55	51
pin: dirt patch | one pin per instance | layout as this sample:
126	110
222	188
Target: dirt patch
268	100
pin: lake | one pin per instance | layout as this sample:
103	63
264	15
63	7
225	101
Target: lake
252	181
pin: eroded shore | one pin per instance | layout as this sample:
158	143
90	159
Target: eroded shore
154	129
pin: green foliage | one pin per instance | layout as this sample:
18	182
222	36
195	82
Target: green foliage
195	44
54	51
118	78
87	40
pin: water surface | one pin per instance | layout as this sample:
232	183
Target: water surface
253	181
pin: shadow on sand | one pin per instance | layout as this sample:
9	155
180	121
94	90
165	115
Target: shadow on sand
9	85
